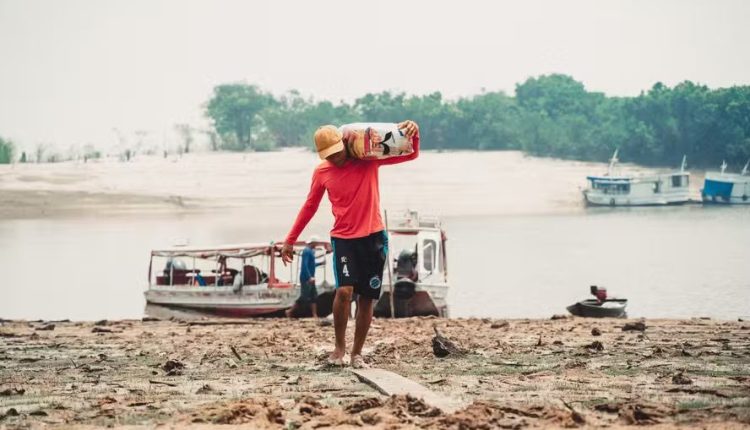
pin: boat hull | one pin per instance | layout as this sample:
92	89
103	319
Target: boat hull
594	309
223	301
424	300
726	189
602	199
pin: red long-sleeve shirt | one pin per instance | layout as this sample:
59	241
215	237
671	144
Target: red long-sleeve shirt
354	192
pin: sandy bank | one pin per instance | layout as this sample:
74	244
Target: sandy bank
267	373
15	204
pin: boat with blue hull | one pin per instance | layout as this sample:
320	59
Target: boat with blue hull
727	188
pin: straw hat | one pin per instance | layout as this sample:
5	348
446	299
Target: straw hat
328	141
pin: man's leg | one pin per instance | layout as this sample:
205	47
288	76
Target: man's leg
341	304
364	318
314	307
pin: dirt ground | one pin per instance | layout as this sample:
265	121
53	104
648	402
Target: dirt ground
566	372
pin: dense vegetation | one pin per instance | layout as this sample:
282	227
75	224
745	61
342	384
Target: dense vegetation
6	151
550	115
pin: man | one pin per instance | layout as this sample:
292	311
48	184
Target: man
308	294
358	237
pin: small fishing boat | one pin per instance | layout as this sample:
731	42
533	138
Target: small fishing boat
727	188
244	280
600	307
418	275
613	189
592	308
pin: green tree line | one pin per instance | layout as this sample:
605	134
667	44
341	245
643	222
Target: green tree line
552	115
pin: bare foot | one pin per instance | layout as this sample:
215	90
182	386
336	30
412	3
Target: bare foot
336	358
358	362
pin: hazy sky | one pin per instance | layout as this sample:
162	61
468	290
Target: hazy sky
71	71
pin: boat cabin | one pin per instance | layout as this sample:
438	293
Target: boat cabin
417	273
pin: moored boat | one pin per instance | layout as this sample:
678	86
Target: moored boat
600	307
613	189
243	280
727	188
592	308
419	273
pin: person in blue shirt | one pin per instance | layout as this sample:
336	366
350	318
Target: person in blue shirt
309	293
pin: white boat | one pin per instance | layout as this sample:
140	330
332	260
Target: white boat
417	273
613	189
727	188
241	280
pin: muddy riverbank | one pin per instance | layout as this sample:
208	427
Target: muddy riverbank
269	373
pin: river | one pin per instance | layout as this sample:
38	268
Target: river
521	243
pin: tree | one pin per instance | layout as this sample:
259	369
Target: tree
186	134
551	115
39	151
233	110
7	149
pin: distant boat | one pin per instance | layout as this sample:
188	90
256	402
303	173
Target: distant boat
727	188
620	190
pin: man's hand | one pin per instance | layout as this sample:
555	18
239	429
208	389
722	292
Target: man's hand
410	128
287	253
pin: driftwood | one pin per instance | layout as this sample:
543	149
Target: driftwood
390	384
443	347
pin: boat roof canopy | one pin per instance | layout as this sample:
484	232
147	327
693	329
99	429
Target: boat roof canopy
609	179
242	250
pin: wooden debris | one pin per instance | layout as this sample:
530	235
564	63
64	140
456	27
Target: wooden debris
680	379
236	354
390	384
634	326
151	381
443	347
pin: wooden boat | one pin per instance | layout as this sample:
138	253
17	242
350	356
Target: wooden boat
419	275
593	308
613	189
243	280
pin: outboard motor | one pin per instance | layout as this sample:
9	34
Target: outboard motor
406	275
599	293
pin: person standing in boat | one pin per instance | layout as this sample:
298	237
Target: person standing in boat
308	292
359	240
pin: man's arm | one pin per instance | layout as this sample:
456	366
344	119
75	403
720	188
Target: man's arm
411	130
303	217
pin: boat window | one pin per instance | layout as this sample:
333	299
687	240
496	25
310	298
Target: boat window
657	187
612	188
679	181
429	254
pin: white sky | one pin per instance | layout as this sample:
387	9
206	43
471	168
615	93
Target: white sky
71	71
